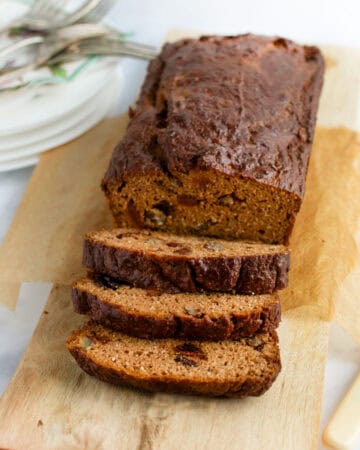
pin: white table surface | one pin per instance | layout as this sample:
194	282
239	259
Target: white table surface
316	21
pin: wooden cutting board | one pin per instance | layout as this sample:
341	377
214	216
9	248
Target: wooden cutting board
51	404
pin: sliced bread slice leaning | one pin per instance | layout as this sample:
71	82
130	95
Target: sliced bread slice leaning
171	263
149	314
241	368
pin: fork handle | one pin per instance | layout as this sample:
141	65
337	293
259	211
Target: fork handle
32	24
122	50
70	57
21	43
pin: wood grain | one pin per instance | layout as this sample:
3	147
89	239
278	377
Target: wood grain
52	404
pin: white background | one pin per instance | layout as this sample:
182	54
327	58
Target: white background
316	21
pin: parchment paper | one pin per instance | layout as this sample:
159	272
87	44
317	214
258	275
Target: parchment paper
325	244
325	253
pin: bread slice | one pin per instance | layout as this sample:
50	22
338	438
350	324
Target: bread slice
148	314
171	263
225	368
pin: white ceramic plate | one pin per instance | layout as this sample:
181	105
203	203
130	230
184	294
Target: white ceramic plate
30	156
51	103
11	143
19	163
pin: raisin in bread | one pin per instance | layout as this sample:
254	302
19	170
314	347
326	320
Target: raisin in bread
241	368
220	139
171	263
148	314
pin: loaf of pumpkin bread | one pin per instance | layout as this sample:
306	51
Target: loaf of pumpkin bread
219	141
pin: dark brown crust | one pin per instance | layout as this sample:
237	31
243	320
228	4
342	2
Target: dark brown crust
248	111
231	326
247	275
253	386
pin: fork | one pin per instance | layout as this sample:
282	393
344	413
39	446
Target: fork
92	11
108	47
45	15
68	34
52	45
42	12
54	53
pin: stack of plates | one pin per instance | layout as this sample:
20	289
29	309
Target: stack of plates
35	120
45	109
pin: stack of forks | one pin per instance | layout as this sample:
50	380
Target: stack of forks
58	37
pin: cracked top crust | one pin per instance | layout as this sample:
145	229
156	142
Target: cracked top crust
243	105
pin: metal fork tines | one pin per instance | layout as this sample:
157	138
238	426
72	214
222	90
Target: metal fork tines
94	12
47	15
41	15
